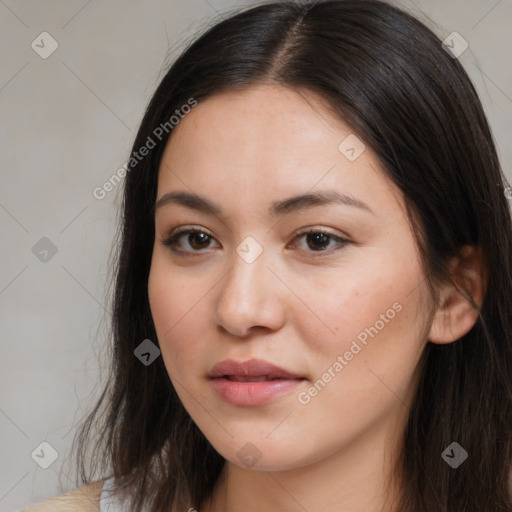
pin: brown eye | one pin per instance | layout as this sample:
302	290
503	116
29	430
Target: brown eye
318	241
196	240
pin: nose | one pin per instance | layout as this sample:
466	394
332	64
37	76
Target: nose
250	298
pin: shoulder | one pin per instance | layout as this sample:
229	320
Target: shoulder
83	499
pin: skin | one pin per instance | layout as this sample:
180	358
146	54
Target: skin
82	499
295	306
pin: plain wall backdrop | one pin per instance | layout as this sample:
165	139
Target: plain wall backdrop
68	117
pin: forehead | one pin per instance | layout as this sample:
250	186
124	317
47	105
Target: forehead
258	118
261	141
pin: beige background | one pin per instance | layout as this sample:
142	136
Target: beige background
67	123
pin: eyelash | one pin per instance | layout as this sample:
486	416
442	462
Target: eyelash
173	239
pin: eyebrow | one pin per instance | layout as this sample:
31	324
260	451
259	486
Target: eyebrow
282	207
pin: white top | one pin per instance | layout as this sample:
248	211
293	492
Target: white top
110	503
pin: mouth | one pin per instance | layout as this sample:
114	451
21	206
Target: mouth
246	378
251	383
251	370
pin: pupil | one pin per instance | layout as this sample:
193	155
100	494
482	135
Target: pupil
318	238
202	237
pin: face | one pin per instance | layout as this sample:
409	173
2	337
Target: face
342	309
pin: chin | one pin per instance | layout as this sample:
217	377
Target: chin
261	453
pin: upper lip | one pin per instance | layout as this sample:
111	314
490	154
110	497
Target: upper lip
250	368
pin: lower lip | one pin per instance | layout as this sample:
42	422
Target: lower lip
252	393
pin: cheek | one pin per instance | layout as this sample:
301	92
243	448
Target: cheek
178	311
371	317
363	373
376	319
360	304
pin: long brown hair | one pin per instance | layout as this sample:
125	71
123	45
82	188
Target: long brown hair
388	77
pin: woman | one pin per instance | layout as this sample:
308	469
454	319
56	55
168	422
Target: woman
314	279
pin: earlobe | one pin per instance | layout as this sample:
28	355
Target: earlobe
460	300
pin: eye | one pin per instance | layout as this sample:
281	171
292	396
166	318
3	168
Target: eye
197	239
319	240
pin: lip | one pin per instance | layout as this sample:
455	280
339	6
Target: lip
247	393
251	368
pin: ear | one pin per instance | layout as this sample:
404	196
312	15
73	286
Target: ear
455	315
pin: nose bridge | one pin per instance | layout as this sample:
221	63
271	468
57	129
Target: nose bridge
246	280
249	294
